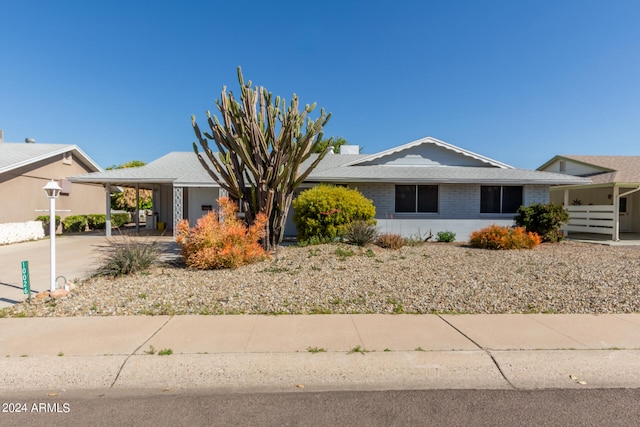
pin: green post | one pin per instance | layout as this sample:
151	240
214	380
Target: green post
26	286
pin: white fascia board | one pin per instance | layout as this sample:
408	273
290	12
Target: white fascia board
440	181
120	181
88	159
196	184
580	186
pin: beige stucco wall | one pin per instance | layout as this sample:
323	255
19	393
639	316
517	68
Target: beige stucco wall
21	191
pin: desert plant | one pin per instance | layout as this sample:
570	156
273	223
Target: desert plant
446	236
261	147
229	243
360	233
390	241
327	210
75	223
126	255
344	253
496	237
543	219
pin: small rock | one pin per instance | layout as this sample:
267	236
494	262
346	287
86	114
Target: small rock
300	385
43	294
70	286
59	293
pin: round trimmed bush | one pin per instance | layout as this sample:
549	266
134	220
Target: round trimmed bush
327	210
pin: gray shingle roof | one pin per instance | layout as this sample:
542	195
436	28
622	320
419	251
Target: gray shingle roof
444	174
184	169
14	155
180	168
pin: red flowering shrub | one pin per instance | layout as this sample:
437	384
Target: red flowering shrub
224	242
496	237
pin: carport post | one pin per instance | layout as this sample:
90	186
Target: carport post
137	208
107	226
616	214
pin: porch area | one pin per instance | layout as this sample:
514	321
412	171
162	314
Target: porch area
626	239
601	213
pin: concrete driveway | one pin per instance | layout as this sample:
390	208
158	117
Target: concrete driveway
77	257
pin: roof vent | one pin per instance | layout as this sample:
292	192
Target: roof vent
30	140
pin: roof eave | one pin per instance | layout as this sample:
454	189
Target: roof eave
121	181
443	181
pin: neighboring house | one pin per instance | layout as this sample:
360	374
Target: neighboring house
25	168
610	204
426	185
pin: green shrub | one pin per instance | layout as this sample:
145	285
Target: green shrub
96	221
390	241
496	237
360	233
327	210
75	223
45	222
314	240
120	219
446	236
543	219
125	255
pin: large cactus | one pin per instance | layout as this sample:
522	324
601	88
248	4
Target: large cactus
260	149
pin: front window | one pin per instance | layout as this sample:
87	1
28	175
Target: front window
417	198
500	199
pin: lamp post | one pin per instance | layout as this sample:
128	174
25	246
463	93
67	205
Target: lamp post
53	191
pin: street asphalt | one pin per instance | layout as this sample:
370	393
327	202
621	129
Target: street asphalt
308	352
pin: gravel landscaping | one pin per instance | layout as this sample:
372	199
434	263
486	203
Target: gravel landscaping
567	277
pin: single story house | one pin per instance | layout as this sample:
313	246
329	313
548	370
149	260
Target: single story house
25	168
424	186
610	203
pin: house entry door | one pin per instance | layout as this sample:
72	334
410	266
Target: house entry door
625	215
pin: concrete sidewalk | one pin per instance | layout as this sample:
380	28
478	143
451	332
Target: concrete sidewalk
320	352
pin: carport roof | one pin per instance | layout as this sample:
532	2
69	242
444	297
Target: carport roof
181	169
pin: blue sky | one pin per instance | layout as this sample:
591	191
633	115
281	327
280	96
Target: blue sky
516	81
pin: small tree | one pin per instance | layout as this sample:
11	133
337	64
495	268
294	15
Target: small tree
261	146
126	200
334	143
544	220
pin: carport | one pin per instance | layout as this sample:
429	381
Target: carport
182	188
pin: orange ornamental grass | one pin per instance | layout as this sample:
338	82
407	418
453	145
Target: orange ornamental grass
221	240
496	237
